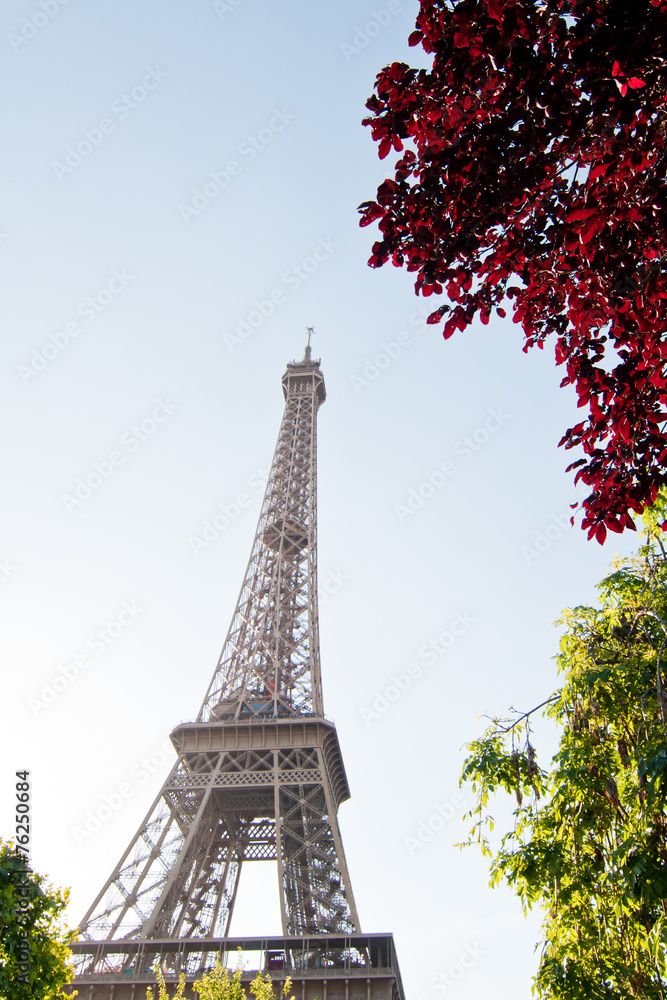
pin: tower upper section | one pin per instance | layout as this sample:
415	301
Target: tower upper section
270	663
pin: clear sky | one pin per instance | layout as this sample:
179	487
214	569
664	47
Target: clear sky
180	183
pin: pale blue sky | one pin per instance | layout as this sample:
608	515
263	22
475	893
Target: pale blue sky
170	291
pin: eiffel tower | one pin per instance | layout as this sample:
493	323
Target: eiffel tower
259	777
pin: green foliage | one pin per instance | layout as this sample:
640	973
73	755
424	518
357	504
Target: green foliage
34	953
162	993
589	842
220	984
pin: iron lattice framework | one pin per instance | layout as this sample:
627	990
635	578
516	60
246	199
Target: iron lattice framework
259	774
270	663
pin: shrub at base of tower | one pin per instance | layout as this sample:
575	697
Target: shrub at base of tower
220	984
589	843
34	952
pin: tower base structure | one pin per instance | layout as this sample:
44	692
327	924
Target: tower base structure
321	967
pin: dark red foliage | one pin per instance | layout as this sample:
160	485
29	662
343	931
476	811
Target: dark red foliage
534	170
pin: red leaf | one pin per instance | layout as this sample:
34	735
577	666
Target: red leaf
598	171
624	429
635	83
496	10
600	533
415	38
589	232
581	213
450	327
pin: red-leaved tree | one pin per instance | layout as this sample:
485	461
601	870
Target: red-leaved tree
532	167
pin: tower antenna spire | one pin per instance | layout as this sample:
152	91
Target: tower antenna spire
306	355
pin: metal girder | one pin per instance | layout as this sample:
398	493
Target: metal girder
328	967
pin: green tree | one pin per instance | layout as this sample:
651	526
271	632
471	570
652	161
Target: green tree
219	984
34	952
589	841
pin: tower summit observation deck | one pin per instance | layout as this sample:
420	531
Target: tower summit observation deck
259	777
